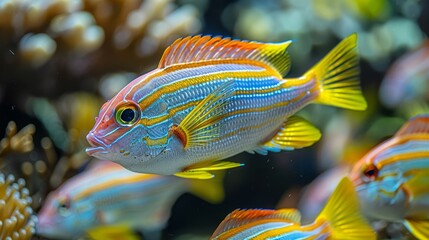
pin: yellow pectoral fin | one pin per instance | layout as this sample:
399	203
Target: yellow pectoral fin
419	228
296	132
417	184
200	126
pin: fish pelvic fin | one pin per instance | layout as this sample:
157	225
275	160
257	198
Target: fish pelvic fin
343	214
200	170
337	77
419	228
295	133
210	190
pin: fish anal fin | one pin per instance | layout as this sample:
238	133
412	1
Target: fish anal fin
343	214
416	125
419	228
240	217
296	132
200	125
203	48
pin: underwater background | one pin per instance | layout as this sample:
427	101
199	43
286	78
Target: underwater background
60	60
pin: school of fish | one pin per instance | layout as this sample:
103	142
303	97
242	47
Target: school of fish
211	98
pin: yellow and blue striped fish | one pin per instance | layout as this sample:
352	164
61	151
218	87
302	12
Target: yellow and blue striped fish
340	219
108	196
392	180
211	98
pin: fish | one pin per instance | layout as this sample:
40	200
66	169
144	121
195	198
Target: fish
407	80
340	219
211	98
108	195
392	179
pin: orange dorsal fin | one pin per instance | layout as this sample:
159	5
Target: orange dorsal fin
242	217
203	48
416	125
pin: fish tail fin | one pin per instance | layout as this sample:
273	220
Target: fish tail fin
337	77
210	190
343	214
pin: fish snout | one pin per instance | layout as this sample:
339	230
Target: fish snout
96	144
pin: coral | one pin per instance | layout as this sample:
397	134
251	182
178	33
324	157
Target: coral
15	141
16	216
65	45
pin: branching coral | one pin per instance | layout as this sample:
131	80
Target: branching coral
16	217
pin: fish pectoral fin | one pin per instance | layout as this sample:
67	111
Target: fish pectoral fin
296	132
200	126
419	228
417	184
199	171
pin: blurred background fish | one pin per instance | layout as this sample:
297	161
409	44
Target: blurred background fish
106	194
392	179
340	219
407	79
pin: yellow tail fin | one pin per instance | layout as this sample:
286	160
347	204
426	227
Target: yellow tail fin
343	214
338	76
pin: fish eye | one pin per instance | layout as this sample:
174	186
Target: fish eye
126	114
371	172
64	208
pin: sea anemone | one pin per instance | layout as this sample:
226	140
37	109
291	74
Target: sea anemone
16	216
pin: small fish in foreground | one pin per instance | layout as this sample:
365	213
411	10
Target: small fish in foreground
108	196
340	219
211	98
392	180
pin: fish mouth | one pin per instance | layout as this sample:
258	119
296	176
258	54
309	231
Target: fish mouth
97	146
94	151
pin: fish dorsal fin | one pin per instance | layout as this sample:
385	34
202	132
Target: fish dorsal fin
416	125
242	217
203	48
